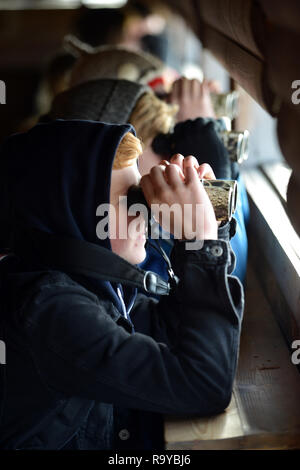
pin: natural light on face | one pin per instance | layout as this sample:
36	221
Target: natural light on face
132	247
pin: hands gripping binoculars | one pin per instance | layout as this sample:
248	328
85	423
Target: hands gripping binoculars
222	194
226	109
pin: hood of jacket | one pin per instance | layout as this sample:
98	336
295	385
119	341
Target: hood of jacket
58	173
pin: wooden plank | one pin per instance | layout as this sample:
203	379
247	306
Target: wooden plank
267	383
232	18
280	308
39	5
276	236
265	409
263	441
288	126
29	37
293	198
226	425
275	249
278	174
282	13
242	66
283	66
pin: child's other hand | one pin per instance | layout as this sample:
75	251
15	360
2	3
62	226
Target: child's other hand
193	98
177	182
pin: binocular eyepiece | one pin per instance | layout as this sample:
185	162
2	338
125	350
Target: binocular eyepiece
225	104
236	142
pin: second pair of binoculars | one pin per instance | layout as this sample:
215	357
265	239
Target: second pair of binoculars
236	142
222	194
226	104
226	108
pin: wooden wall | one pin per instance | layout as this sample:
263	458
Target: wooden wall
28	39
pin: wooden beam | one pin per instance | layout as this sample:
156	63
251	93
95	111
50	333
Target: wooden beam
283	13
275	235
242	66
234	19
283	69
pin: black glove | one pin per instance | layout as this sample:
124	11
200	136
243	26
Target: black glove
196	137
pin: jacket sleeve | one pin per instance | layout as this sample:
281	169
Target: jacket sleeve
197	137
143	315
187	366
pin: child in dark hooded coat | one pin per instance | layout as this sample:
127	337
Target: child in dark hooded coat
91	364
123	101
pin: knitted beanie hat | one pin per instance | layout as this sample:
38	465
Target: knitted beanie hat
111	62
106	100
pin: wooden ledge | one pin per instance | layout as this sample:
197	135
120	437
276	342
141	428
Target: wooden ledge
264	412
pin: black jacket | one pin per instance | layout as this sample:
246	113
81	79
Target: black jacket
197	137
73	361
79	374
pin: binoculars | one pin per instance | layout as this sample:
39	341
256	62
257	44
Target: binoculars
222	194
226	108
237	143
225	104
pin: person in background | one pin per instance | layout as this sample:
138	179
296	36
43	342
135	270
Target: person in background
136	26
55	80
193	99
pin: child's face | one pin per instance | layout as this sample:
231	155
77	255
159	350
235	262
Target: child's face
147	160
129	240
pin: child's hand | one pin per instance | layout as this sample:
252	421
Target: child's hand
204	170
193	98
177	182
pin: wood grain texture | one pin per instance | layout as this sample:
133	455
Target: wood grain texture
263	441
234	19
265	409
226	425
277	275
285	317
288	125
242	66
285	14
275	236
267	383
29	37
283	66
